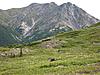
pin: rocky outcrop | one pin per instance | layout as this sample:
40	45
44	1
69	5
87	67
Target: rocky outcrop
14	52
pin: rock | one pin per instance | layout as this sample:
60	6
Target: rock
2	54
51	59
12	55
14	52
60	51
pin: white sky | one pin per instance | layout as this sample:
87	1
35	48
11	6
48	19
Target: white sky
90	6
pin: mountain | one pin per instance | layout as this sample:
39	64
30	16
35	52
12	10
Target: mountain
38	21
70	53
82	38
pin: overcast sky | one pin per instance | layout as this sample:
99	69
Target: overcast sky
90	6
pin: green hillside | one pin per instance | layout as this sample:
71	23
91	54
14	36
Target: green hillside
71	53
7	36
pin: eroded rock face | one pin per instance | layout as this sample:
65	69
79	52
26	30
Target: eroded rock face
38	21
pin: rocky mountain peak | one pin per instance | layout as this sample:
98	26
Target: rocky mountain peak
53	3
38	21
66	4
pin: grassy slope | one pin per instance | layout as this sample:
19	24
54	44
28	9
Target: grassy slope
76	52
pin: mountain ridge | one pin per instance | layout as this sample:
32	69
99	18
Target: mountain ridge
38	21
